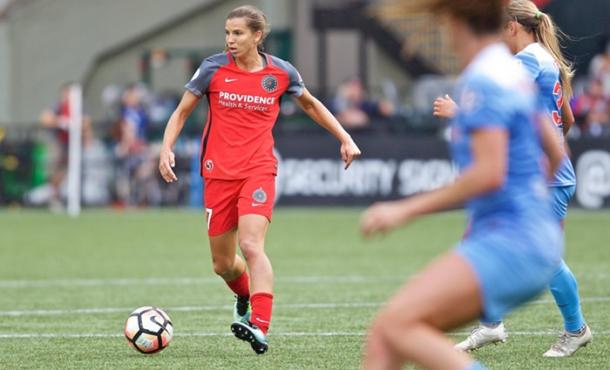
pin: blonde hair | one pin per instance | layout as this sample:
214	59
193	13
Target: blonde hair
256	20
547	33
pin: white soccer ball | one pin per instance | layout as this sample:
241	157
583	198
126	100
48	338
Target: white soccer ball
149	329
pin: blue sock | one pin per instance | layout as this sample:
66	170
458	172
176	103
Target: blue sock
475	366
564	287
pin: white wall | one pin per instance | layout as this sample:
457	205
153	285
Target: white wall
56	41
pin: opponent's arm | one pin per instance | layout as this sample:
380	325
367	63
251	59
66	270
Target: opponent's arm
567	116
444	107
486	173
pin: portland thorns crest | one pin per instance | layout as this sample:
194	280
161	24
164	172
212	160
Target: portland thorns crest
259	195
269	83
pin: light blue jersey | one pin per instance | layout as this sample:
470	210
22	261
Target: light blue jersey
543	69
496	92
514	245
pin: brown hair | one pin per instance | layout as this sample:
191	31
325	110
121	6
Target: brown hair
482	16
255	20
534	21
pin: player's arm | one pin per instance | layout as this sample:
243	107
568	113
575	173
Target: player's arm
175	124
487	173
322	116
567	116
550	146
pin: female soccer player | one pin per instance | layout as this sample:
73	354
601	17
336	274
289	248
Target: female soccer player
532	36
243	87
497	146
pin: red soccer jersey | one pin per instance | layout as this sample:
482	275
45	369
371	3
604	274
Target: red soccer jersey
243	106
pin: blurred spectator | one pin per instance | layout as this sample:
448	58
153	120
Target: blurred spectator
133	111
354	109
57	119
592	110
136	176
96	166
599	69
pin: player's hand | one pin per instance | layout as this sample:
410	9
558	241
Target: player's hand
383	217
167	161
444	107
349	152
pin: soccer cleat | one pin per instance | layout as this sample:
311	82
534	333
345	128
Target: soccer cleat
249	332
567	343
241	310
482	336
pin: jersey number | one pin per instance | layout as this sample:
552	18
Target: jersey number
558	95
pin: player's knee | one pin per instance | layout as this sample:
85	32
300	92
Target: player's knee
251	248
223	266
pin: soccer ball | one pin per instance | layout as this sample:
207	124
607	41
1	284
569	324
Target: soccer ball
149	329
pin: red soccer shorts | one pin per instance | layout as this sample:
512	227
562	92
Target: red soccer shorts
227	200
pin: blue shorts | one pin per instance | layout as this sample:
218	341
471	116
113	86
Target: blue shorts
561	198
513	261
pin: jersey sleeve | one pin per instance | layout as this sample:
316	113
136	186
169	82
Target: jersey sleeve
295	82
483	104
530	63
296	85
200	82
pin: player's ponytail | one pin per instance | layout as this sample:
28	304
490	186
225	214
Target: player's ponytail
547	33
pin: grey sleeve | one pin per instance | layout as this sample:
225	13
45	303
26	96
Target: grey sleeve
200	82
295	83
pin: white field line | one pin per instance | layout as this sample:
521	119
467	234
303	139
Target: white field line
350	279
295	334
110	310
66	283
331	305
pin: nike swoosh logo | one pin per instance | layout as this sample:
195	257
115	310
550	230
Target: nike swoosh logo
257	204
227	80
263	321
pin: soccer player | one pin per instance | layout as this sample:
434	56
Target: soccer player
498	147
243	87
531	35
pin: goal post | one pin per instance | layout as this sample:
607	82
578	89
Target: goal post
75	150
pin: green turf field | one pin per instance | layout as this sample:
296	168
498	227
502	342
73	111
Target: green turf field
67	285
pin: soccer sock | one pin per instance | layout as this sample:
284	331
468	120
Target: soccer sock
564	287
261	310
241	285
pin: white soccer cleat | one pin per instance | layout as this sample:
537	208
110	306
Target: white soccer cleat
567	344
482	336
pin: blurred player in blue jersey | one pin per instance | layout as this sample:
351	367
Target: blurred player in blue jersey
532	36
498	147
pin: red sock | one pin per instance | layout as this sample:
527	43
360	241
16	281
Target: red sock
261	310
241	285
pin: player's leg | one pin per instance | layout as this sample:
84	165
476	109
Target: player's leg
222	218
564	288
490	331
255	212
409	328
232	269
251	231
